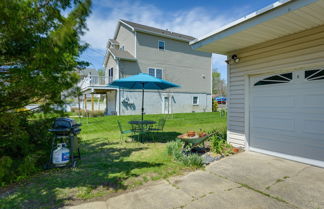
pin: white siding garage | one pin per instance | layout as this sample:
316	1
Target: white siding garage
287	115
275	96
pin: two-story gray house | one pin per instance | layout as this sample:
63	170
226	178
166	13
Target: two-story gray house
137	48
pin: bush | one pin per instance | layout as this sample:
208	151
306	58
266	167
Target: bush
214	106
24	147
95	113
192	160
219	143
174	149
75	109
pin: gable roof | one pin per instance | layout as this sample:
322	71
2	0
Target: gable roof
121	54
277	20
113	41
156	31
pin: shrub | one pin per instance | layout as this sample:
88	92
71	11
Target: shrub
95	113
75	109
219	142
174	149
24	146
193	160
214	106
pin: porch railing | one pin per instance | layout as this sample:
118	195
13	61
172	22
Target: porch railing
92	80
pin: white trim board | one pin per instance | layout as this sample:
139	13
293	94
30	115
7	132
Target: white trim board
289	157
263	15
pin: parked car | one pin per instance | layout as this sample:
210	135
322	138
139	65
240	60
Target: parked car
221	100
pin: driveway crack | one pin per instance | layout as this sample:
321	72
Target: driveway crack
256	190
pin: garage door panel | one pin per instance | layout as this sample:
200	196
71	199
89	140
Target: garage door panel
287	137
313	100
273	101
282	145
274	123
288	118
314	127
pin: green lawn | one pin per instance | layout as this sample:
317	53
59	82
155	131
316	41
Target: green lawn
108	166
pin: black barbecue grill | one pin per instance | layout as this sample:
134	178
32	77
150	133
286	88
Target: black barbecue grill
66	129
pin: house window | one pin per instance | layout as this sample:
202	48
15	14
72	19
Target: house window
276	79
161	45
312	75
158	73
195	100
152	72
111	75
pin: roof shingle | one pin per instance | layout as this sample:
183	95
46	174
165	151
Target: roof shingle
122	54
145	28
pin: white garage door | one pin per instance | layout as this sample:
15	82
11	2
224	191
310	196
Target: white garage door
287	115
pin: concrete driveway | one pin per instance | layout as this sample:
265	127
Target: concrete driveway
246	180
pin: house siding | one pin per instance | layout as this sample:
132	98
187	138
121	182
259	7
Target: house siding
126	38
128	68
153	102
180	63
294	52
112	64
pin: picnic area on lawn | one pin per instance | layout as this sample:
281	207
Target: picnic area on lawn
109	164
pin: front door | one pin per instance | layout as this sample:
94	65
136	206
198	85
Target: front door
166	105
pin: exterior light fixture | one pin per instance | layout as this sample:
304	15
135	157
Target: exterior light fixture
234	59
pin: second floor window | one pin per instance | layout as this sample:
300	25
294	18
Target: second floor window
161	45
111	74
156	72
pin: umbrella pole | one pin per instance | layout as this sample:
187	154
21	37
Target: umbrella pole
143	103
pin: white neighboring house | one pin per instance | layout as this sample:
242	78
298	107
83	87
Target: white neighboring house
137	48
275	79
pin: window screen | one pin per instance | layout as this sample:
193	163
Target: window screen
317	74
161	45
158	73
275	79
195	100
151	71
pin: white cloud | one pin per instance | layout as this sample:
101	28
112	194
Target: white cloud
195	22
102	22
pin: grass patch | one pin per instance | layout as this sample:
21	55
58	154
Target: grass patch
107	165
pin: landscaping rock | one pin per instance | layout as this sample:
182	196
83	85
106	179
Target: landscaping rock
209	158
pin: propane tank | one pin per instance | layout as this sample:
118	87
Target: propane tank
61	155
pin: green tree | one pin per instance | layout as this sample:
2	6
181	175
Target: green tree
101	72
39	55
39	50
218	85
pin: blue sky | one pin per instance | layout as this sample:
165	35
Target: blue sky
191	17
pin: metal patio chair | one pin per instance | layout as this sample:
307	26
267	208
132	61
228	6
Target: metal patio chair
159	126
122	131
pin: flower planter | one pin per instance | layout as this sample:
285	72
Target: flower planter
236	150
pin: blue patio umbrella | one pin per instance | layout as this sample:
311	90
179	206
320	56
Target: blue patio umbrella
143	81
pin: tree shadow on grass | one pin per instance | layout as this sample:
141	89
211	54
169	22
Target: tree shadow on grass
161	137
102	169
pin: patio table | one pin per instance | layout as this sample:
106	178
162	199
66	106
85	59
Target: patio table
141	125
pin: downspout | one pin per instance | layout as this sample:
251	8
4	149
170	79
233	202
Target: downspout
117	60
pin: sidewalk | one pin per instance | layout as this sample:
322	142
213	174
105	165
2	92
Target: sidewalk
246	180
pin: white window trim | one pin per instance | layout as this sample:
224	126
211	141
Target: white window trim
197	100
148	71
159	45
